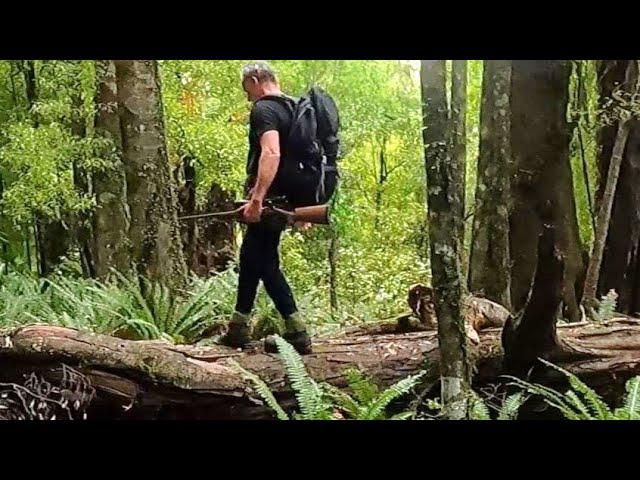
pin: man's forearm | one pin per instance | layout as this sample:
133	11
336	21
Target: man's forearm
267	169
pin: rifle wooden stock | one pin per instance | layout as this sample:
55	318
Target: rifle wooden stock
318	214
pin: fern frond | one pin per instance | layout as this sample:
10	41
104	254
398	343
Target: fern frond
631	408
262	389
478	410
307	391
402	416
607	306
578	405
342	400
511	405
363	389
599	408
550	396
377	407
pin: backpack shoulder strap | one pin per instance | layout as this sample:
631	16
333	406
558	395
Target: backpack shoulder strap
286	100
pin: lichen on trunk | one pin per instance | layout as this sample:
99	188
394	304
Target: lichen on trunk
154	231
444	197
490	261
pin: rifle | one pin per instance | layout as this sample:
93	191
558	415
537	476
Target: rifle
316	214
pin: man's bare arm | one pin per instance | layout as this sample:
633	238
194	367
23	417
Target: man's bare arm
268	164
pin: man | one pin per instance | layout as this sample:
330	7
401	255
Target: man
268	170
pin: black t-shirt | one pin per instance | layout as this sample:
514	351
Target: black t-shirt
267	114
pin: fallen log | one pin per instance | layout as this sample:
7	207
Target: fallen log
155	379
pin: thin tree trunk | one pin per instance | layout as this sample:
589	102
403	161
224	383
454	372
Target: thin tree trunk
459	140
606	204
111	245
443	197
333	271
154	230
490	262
3	240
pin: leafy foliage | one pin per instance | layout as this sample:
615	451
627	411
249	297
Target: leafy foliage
607	306
326	402
123	307
581	402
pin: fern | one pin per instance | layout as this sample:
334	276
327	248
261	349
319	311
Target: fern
478	410
377	406
590	406
607	306
307	391
631	409
597	405
511	405
320	401
263	390
367	403
363	390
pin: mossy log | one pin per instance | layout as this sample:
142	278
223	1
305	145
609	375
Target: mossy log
155	379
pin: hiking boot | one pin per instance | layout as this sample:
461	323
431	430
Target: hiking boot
298	340
239	333
295	333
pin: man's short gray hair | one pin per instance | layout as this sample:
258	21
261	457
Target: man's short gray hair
261	70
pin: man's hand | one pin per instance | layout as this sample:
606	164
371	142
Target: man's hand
302	225
252	211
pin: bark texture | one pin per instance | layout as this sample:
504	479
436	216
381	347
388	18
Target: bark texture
154	231
157	380
490	262
542	188
444	196
111	245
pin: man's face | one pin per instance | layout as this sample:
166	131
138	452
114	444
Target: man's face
251	86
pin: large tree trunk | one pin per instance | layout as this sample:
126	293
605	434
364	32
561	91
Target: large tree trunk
620	268
154	231
543	184
490	263
532	332
155	379
111	245
443	197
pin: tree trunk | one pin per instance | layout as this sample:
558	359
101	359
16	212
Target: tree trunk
444	197
542	187
155	379
333	270
532	332
490	263
459	141
620	269
604	215
111	245
186	207
216	244
154	230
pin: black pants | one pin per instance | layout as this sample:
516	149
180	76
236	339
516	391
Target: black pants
259	256
260	260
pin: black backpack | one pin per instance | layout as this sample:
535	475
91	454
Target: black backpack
313	141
